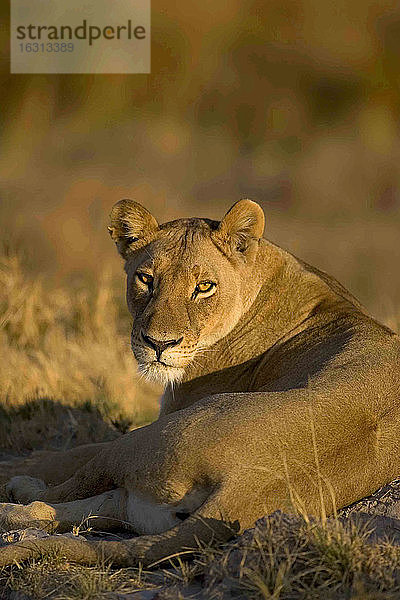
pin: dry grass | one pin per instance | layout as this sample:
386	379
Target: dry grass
283	558
291	558
55	579
68	345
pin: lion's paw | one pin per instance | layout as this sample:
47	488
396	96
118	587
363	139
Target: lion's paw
24	489
19	516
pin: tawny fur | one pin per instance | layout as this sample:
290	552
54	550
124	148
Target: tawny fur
281	392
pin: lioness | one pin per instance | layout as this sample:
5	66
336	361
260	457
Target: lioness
281	392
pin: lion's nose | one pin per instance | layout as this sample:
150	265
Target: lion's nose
160	345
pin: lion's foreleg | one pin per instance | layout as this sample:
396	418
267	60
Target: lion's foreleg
90	480
105	511
53	467
209	524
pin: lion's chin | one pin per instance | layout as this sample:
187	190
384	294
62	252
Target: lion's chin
159	372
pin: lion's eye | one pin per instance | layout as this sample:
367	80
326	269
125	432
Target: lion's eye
145	278
205	289
204	286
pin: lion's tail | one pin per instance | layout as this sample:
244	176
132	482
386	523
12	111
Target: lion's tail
71	548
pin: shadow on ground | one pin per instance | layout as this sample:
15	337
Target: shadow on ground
45	424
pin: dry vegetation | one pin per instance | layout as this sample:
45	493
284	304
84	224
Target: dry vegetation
53	578
294	558
283	558
65	363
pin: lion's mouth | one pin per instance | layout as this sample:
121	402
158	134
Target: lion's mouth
160	371
161	362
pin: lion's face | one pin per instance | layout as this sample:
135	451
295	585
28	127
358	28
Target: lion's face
183	297
188	282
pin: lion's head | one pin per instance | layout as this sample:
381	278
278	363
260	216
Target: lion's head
188	281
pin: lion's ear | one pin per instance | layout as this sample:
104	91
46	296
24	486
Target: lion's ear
132	226
241	228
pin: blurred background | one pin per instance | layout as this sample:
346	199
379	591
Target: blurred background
293	103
